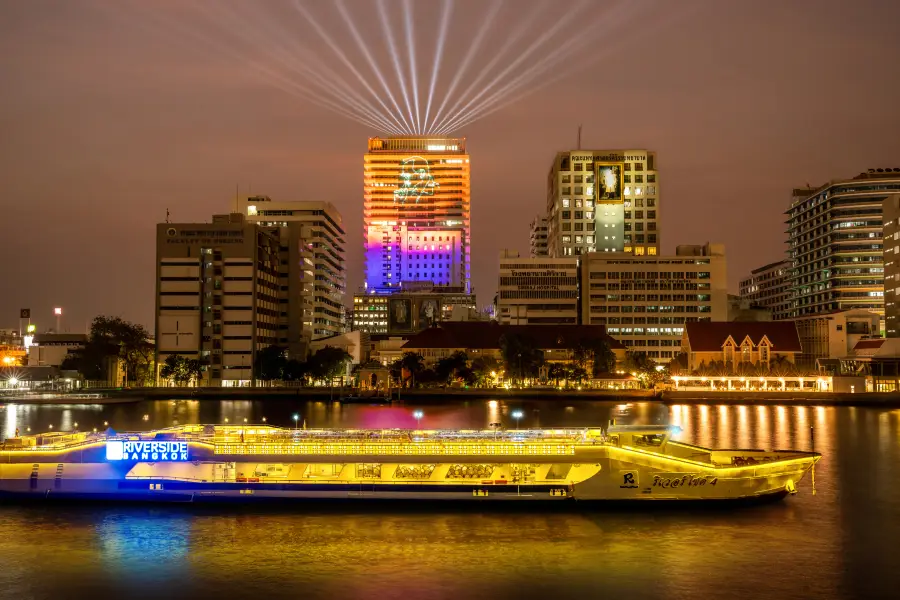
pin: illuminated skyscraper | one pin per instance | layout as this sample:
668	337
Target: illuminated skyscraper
416	215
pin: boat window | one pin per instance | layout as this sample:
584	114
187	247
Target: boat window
649	440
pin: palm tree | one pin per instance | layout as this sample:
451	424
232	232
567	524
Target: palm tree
413	363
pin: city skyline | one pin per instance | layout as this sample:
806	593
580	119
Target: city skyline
86	160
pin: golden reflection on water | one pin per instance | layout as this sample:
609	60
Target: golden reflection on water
466	551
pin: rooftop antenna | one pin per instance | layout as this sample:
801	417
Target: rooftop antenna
167	215
579	137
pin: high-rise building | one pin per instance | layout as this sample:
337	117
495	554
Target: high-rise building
891	217
218	296
644	301
416	214
539	237
769	286
603	201
537	291
835	244
312	246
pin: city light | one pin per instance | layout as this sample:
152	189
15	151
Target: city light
517	415
57	311
417	415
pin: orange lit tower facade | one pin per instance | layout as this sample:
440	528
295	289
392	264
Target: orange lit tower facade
417	216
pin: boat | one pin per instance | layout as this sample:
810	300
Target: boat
215	463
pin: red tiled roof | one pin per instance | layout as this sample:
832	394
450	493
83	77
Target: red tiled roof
486	336
710	336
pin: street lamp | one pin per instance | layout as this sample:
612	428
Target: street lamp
296	418
517	415
417	415
263	419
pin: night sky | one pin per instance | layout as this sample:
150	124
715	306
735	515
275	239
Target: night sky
107	120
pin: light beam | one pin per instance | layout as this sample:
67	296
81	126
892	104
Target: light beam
438	54
411	51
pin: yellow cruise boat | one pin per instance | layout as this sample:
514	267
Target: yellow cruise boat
209	463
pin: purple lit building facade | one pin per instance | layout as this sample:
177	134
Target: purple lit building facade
417	213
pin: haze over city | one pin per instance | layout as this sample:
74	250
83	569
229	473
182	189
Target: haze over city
108	122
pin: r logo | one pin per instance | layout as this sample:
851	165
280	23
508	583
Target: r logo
629	479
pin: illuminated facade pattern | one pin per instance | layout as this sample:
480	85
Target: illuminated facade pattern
835	244
603	201
417	212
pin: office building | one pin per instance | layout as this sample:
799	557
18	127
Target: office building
891	218
769	286
313	256
835	244
603	201
416	212
645	301
415	306
218	295
537	291
538	237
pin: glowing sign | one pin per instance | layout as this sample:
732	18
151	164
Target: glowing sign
150	451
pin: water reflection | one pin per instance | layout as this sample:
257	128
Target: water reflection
834	544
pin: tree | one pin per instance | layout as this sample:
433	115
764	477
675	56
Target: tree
448	368
396	371
181	370
645	368
328	363
520	357
270	363
295	370
556	372
114	338
484	368
413	363
595	355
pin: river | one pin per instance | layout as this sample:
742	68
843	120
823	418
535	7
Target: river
837	543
